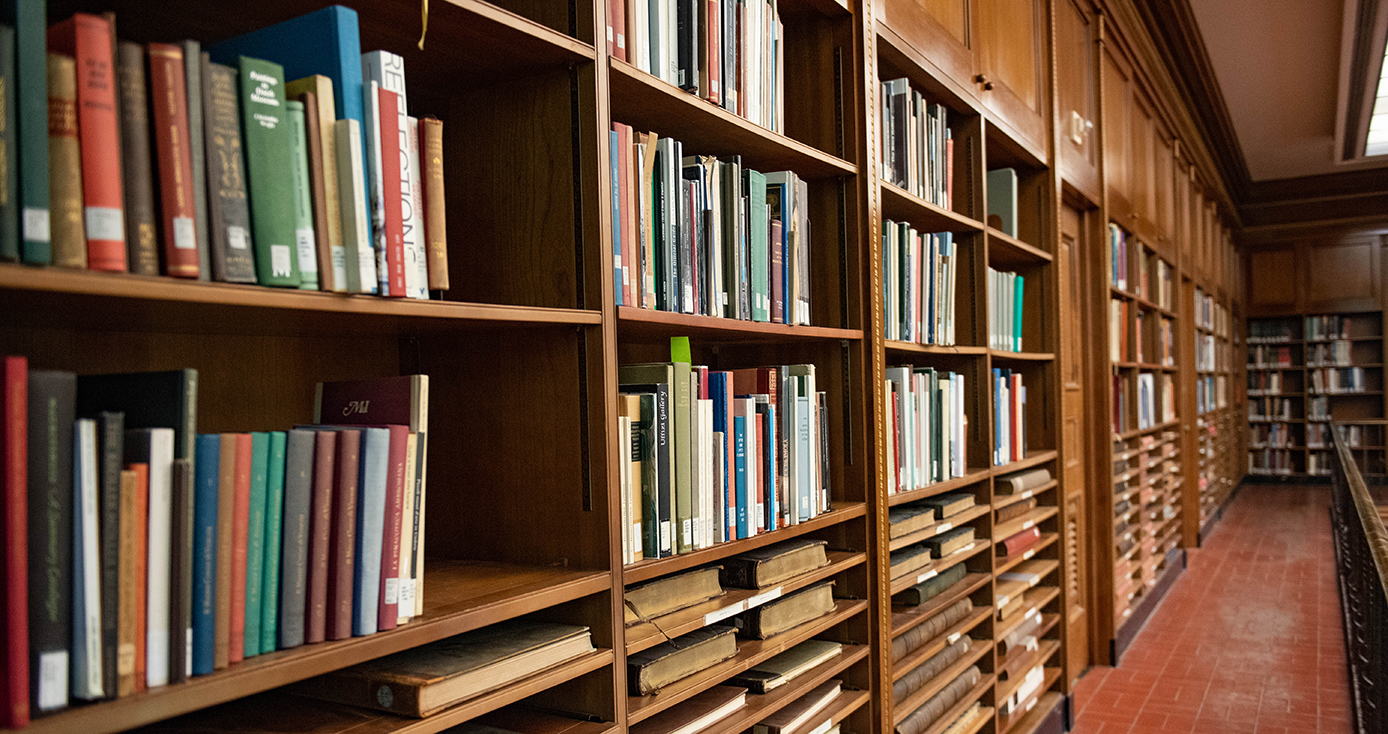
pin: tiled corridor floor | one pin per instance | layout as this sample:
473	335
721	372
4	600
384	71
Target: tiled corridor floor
1248	640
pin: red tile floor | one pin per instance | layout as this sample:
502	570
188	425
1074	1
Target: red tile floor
1248	641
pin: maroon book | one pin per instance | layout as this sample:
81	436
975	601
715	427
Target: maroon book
387	613
321	523
1021	541
342	546
14	669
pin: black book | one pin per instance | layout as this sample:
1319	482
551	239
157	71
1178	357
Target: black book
52	411
110	438
663	504
687	27
149	400
228	210
664	295
181	572
298	494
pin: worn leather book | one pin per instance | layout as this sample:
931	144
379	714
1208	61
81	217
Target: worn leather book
141	235
228	211
1021	637
427	679
962	723
1022	481
699	712
949	542
773	564
929	712
1008	597
907	519
69	240
652	669
909	560
932	587
786	667
948	505
773	618
800	712
671	594
934	665
1016	510
1020	542
911	640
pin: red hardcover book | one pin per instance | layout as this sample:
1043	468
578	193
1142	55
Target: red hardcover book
390	184
14	671
240	528
141	570
778	301
1021	541
616	16
387	614
88	39
169	102
321	524
342	547
763	481
711	60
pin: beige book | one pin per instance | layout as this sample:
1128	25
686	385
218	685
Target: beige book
773	618
671	594
773	564
322	87
650	670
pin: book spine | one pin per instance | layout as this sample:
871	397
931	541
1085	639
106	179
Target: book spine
69	240
374	185
226	511
31	86
615	198
740	474
412	207
14	566
274	523
240	531
304	472
192	80
356	224
371	502
180	573
776	243
86	582
141	238
680	419
392	517
168	94
206	498
126	586
270	190
255	542
307	246
9	173
343	555
331	264
405	575
389	222
51	407
110	452
435	216
228	212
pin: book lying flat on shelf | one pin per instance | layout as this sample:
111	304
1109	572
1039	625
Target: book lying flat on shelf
650	670
949	542
949	505
787	666
936	664
429	678
931	587
800	712
768	566
929	712
773	618
1016	510
907	519
1022	481
699	712
672	594
909	559
1020	542
913	639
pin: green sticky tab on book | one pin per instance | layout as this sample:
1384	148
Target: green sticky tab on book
679	350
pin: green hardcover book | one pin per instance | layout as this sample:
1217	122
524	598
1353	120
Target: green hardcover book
29	18
303	197
9	149
271	187
255	541
274	521
1019	282
754	184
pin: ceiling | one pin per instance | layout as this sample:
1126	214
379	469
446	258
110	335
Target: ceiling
1278	66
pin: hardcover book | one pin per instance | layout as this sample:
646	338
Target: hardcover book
1020	542
932	587
271	191
948	505
799	713
306	244
787	666
197	150
654	668
180	649
773	564
14	519
228	210
299	482
773	618
908	560
947	543
427	679
9	183
1020	482
672	593
173	144
922	674
316	92
274	524
141	236
699	712
929	712
29	18
1016	510
69	239
913	639
435	211
206	501
907	519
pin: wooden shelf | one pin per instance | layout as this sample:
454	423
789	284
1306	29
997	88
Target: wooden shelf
974	476
1006	250
903	347
951	635
957	520
648	634
899	204
1003	500
1033	458
1029	520
1045	650
985	683
1003	355
644	324
930	570
647	103
657	567
1006	563
904	708
1036	598
760	706
1027	722
906	617
749	654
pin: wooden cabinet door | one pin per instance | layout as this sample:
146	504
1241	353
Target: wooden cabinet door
1011	53
1075	552
1164	178
1142	174
1116	82
941	30
1076	77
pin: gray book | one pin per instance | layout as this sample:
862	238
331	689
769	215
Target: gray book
192	75
907	519
763	567
909	559
1002	200
671	594
788	612
947	543
298	493
1022	481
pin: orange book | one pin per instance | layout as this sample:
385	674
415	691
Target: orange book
168	94
240	529
141	570
88	39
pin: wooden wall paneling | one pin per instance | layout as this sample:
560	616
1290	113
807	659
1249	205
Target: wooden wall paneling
1116	81
1273	282
1343	276
1164	189
941	30
1077	96
1142	181
1072	298
1012	63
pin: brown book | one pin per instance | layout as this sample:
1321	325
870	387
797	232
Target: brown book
168	94
797	715
671	594
1020	637
908	560
929	712
965	719
699	712
325	452
947	543
1009	597
654	668
68	237
931	587
773	564
913	639
341	559
228	210
948	505
429	678
329	237
226	509
908	519
181	572
435	220
930	668
1016	510
126	607
141	235
773	618
318	193
1022	481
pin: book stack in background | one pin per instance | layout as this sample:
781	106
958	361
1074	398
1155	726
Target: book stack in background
920	273
917	144
155	553
728	52
718	455
1010	417
925	411
284	157
701	234
1005	298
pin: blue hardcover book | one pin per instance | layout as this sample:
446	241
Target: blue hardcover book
371	510
205	549
720	390
274	522
740	476
255	542
614	176
932	282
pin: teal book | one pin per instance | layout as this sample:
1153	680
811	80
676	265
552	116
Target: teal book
255	541
270	186
1018	281
29	18
303	197
754	184
1002	200
9	151
274	521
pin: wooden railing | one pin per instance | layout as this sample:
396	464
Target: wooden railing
1361	559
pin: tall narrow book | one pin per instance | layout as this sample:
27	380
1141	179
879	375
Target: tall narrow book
228	210
69	238
169	97
141	236
14	492
271	191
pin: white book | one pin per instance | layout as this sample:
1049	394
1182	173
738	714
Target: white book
639	30
160	551
746	408
624	482
960	424
86	564
791	423
720	487
416	254
375	184
387	70
706	470
405	581
696	466
356	223
807	374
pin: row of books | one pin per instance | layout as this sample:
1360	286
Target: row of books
1118	330
729	52
1166	343
700	234
284	157
1262	356
1318	463
925	409
1265	462
1338	380
1146	401
1210	393
1010	417
1264	332
1330	354
1319	328
1318	409
1209	315
1006	297
1318	436
153	553
1274	436
1205	354
724	455
1265	383
1118	257
917	144
920	273
1264	409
